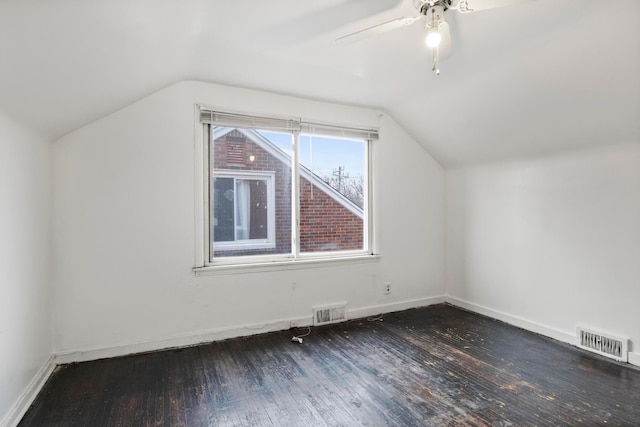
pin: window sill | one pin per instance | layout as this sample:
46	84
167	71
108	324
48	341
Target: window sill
299	263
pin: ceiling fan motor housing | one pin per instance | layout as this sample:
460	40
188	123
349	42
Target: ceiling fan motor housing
423	6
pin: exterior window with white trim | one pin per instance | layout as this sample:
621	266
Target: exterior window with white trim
282	189
243	211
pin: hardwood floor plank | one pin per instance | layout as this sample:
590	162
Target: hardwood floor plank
436	366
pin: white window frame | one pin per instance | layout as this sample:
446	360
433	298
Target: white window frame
204	262
270	241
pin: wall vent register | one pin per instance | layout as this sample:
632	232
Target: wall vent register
603	344
329	314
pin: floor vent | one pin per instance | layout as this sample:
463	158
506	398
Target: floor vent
603	344
329	314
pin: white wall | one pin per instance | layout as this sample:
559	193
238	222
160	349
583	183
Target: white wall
552	241
124	229
25	263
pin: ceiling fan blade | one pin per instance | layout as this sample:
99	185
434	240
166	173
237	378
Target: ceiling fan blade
468	6
377	29
445	49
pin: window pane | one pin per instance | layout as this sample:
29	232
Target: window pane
223	201
251	209
258	209
251	204
332	192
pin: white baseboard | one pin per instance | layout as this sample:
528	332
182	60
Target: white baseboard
395	306
83	355
514	320
13	417
633	359
186	340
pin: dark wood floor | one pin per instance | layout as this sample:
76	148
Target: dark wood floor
436	366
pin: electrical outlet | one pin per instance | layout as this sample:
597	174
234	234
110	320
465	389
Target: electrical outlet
387	288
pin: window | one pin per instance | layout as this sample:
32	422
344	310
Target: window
249	192
242	209
283	189
331	188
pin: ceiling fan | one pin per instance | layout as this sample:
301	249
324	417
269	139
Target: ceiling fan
437	28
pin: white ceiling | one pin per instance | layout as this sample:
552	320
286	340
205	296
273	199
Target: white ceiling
525	80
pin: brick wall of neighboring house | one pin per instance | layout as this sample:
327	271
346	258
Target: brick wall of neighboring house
325	224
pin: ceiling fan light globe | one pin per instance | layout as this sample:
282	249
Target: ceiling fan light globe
433	39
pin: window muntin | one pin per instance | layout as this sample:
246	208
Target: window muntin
285	143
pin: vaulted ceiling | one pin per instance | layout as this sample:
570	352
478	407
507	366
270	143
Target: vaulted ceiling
524	80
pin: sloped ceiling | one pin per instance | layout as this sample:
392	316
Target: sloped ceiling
524	80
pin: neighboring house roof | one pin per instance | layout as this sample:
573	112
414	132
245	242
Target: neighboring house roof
305	172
